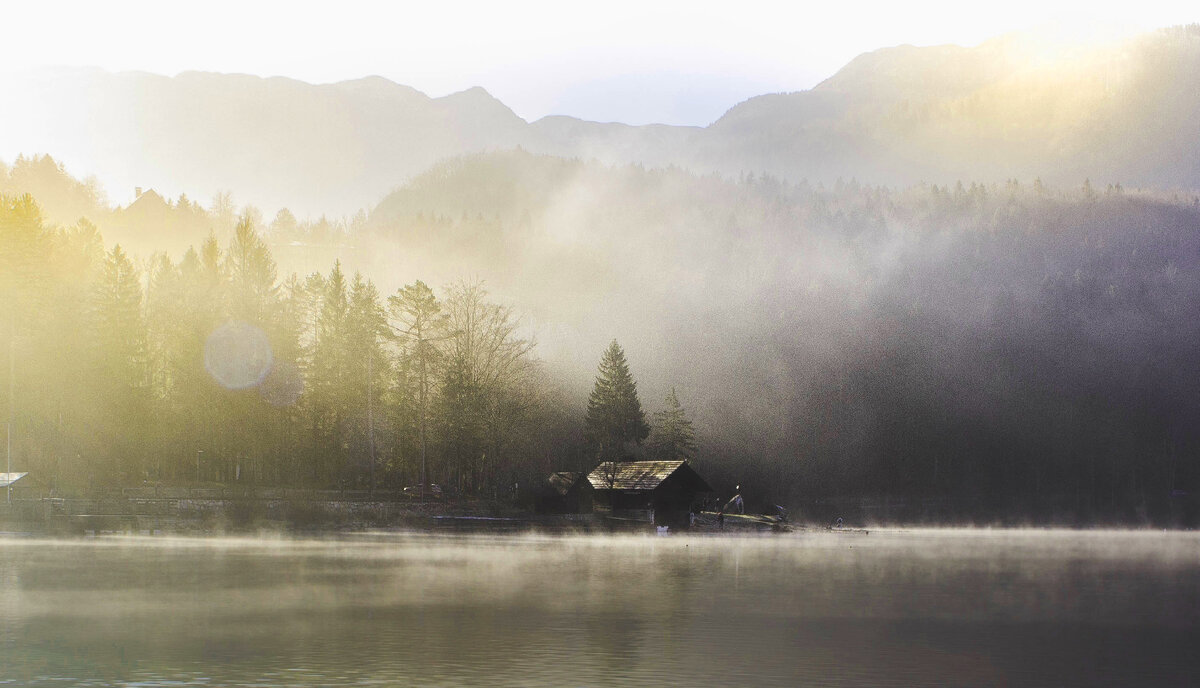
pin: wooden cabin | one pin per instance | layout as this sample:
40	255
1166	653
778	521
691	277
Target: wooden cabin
564	492
661	492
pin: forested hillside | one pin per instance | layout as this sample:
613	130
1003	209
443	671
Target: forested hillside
1009	350
213	368
1013	347
1010	107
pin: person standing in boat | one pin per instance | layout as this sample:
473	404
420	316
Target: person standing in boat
736	502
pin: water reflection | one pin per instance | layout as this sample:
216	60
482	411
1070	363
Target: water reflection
899	608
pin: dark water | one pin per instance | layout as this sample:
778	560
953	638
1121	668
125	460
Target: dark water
954	608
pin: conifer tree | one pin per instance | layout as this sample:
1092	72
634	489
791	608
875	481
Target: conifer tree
329	371
614	418
118	341
119	330
366	326
252	274
673	438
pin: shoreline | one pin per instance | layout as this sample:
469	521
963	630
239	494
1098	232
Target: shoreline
294	516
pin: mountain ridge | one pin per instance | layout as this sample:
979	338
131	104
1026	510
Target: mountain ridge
1124	112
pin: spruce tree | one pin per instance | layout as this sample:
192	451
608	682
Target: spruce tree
119	384
674	438
119	333
328	372
252	274
614	416
367	328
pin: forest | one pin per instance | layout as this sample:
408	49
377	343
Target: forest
1009	351
212	368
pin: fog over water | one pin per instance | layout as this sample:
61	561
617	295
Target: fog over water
411	368
892	608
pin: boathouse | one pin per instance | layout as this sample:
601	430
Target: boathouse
7	480
565	492
661	492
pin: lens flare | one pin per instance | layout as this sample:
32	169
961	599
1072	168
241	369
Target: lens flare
283	385
238	355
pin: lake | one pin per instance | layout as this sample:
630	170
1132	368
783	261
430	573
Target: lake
892	608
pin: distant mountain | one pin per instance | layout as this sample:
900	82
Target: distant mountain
279	142
1125	112
1009	108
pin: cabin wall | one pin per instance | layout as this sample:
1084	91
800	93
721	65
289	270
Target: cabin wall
585	497
576	501
618	500
670	502
670	505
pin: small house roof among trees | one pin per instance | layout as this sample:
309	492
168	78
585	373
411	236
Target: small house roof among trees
562	481
7	479
642	475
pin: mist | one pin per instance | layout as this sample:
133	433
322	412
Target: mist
903	608
999	352
945	284
1113	108
658	347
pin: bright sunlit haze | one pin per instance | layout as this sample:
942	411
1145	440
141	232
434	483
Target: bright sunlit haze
625	61
618	344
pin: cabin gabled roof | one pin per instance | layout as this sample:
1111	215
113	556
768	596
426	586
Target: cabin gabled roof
149	200
640	475
562	481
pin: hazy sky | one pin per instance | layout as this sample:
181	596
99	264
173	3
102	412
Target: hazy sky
632	61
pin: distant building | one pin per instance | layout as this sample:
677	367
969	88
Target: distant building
564	492
6	485
148	206
662	492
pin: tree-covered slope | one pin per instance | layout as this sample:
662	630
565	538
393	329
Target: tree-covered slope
1018	347
999	350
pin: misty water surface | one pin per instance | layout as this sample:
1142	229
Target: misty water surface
889	608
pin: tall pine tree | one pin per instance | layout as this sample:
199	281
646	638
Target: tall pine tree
120	384
674	438
615	422
329	372
366	330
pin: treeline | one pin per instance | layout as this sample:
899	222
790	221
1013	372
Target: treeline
1006	351
1009	351
213	369
156	223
